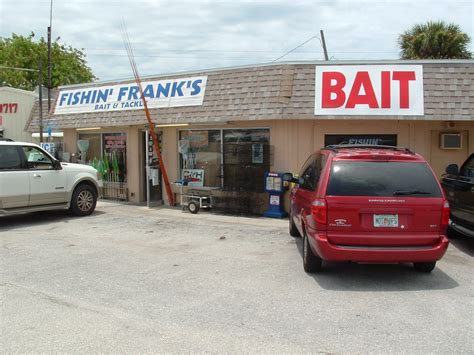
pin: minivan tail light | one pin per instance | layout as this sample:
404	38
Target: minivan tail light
445	214
319	211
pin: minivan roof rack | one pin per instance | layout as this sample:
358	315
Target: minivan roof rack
336	147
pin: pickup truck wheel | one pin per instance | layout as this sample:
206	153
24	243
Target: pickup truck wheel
84	200
424	267
293	230
311	262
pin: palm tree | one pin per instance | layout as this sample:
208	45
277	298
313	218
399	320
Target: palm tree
434	40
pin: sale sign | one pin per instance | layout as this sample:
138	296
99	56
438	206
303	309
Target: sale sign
369	90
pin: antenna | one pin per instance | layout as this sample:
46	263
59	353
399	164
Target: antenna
133	64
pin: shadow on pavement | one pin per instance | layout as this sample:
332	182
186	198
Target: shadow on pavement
346	276
463	243
38	218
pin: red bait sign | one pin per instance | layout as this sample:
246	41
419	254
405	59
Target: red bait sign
369	90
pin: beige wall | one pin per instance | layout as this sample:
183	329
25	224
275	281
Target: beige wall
14	122
293	141
134	163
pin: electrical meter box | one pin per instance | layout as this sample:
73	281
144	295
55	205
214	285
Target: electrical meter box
276	187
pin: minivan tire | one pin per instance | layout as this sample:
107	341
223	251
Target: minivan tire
425	267
84	200
294	232
311	262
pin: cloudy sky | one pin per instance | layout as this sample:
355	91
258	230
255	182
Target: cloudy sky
181	35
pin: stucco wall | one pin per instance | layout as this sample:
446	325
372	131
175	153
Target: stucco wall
293	141
14	118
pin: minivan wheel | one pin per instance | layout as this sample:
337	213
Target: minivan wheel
425	267
311	262
84	200
294	232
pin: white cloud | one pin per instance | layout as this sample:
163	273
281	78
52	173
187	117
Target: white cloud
173	36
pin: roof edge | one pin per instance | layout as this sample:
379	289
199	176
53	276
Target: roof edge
18	91
257	65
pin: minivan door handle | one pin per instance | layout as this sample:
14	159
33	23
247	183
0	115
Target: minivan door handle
36	175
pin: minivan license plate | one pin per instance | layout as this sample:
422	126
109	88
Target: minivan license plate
386	220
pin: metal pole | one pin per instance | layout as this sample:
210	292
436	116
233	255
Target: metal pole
147	167
40	93
49	69
326	57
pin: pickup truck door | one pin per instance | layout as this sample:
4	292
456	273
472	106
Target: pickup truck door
466	194
47	184
460	193
14	178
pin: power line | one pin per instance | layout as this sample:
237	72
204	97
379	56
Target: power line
302	44
15	68
220	51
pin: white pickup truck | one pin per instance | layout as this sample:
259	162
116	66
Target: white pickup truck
32	180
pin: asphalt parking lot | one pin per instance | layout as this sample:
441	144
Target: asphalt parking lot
131	279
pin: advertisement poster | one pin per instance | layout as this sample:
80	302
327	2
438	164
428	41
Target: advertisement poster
195	177
198	139
274	200
257	153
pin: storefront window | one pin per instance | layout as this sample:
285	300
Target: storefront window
91	141
115	154
200	152
246	158
238	163
107	152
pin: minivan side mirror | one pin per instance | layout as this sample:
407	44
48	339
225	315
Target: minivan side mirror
291	178
287	177
452	169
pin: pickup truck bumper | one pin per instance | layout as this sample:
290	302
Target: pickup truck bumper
461	229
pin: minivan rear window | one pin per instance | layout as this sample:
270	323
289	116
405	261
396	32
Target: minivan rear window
350	178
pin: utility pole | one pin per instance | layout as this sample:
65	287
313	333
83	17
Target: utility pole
49	55
326	57
40	98
49	68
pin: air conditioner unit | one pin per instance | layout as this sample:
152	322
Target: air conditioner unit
450	141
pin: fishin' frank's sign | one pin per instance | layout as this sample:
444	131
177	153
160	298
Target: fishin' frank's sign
158	93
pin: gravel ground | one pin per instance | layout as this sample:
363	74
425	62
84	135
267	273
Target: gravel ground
131	279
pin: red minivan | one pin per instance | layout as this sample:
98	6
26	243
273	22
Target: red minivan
370	204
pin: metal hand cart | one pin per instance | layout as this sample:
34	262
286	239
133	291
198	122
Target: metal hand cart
193	200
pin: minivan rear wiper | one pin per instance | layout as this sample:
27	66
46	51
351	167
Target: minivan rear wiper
410	192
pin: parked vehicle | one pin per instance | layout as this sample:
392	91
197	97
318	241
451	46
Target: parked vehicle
458	185
32	180
371	204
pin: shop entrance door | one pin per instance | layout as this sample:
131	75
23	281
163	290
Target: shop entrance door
153	183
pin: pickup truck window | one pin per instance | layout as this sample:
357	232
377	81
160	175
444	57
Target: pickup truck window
467	168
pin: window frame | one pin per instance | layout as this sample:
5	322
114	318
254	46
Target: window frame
29	165
222	182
